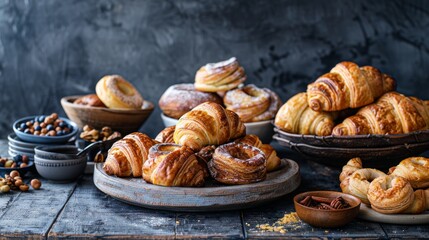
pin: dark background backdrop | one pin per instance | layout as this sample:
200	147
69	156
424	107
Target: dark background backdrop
50	49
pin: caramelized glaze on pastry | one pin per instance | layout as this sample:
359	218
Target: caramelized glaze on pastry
116	92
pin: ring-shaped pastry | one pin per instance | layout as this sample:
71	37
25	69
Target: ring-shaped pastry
415	170
358	183
390	194
116	92
238	163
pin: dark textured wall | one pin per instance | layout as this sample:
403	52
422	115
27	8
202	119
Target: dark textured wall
55	48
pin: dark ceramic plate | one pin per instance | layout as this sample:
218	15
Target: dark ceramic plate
380	157
357	141
44	139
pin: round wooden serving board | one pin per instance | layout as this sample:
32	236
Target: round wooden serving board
212	197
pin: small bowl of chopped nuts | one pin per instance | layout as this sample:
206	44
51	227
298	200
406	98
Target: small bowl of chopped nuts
20	163
90	135
326	209
45	129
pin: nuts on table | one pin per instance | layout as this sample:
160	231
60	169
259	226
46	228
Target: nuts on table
36	184
50	125
4	188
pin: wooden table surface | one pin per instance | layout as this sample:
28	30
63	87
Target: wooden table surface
79	210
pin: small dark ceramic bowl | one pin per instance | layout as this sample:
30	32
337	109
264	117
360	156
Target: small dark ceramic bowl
327	218
60	152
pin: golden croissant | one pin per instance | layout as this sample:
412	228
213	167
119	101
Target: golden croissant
171	164
208	124
348	86
126	157
393	113
295	116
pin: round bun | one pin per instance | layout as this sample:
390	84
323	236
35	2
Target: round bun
116	92
179	99
90	100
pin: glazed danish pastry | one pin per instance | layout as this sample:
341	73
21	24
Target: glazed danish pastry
219	77
181	98
171	164
348	86
208	124
126	157
392	194
413	169
238	163
273	161
252	103
116	92
91	100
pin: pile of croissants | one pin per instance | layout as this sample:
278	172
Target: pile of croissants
207	141
405	189
347	87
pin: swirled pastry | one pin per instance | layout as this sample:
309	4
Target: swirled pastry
126	157
393	113
348	86
208	124
237	163
393	194
295	116
219	77
352	166
273	161
252	104
179	99
415	170
170	164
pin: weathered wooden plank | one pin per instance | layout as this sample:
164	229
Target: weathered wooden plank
406	231
31	214
91	214
219	225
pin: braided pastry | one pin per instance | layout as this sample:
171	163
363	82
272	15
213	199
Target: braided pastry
126	157
219	77
348	86
208	124
238	163
171	164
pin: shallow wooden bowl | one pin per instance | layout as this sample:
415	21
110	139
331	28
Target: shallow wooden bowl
122	120
327	218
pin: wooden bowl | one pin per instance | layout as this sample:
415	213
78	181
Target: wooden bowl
327	218
123	120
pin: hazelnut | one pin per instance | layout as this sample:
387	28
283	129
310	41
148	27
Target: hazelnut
4	189
52	133
17	178
2	183
54	116
36	133
18	183
43	125
87	128
24	187
14	173
23	165
25	158
48	120
43	131
8	164
36	184
13	165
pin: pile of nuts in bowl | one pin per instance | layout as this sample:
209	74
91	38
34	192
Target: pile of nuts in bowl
13	181
50	125
19	161
91	134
